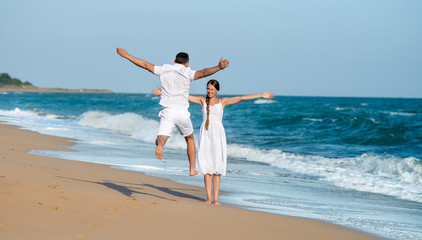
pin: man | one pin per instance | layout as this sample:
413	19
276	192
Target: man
175	80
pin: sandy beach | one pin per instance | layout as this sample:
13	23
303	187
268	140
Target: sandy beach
48	198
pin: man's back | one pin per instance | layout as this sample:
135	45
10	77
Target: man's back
175	80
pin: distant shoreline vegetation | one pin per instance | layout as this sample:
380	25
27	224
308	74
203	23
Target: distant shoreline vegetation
9	84
6	80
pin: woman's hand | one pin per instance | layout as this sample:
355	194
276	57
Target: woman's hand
157	91
267	95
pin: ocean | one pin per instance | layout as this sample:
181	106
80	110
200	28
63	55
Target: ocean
355	162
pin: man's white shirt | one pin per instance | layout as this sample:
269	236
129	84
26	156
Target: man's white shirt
175	81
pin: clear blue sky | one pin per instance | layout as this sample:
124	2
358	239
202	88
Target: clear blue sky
298	47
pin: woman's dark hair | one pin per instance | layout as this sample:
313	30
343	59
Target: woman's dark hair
216	84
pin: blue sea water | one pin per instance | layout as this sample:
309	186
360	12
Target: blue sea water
355	162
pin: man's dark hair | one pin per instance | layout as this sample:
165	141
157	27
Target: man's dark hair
182	58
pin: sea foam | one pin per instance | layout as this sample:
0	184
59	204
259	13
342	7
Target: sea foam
394	176
264	101
132	124
17	113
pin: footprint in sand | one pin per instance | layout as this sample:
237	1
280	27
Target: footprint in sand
96	225
114	208
53	186
82	235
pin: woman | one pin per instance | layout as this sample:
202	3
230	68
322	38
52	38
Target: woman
212	145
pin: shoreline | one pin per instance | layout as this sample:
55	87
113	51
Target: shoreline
54	90
44	197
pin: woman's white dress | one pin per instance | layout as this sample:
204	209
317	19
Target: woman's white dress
212	144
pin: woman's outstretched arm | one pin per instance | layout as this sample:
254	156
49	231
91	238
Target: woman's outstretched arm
192	99
233	100
196	99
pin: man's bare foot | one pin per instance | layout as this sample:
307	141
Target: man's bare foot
193	172
216	203
159	142
207	202
159	151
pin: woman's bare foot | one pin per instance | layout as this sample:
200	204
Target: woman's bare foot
216	203
207	202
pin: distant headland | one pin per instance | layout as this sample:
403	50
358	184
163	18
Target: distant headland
9	84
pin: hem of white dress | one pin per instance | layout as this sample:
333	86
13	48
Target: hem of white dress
205	173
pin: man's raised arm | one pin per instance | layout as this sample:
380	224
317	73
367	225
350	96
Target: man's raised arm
210	71
138	62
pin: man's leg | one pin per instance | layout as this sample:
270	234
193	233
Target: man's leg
191	154
160	141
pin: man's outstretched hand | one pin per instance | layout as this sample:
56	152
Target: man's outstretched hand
223	63
122	52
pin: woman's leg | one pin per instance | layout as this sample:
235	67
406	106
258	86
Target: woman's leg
216	182
208	186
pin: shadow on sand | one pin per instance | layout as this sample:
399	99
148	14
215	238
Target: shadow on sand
129	189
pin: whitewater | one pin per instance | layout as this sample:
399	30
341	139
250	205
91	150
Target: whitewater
351	161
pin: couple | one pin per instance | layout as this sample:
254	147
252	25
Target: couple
175	81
